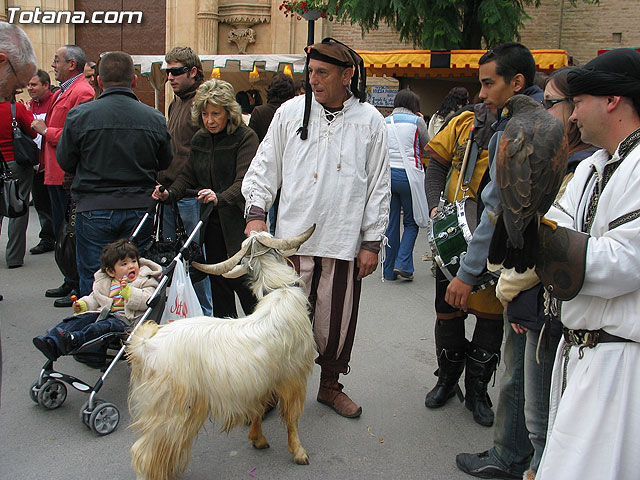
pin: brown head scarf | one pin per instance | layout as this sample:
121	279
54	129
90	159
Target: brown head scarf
337	53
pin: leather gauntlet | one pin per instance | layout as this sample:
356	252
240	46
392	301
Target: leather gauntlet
561	260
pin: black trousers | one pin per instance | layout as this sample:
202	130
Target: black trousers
42	204
450	332
223	289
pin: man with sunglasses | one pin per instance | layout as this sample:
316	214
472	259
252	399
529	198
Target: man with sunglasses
185	74
507	70
68	65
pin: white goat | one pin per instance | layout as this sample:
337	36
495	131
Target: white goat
227	370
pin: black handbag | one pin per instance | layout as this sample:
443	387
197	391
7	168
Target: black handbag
163	250
25	150
11	204
65	250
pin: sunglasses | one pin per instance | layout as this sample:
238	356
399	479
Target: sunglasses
177	71
547	103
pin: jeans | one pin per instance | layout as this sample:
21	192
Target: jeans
511	445
85	328
537	387
399	253
97	228
189	209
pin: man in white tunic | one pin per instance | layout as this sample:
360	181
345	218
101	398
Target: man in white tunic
327	152
594	419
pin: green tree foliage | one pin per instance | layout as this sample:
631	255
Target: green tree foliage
442	24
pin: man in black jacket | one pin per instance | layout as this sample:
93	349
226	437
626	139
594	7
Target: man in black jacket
185	75
115	146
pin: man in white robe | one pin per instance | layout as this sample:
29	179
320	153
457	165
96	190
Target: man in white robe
327	152
594	419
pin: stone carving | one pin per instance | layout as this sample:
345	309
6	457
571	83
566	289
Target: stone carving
242	37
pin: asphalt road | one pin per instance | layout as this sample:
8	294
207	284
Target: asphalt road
392	369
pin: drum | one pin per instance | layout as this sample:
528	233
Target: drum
450	232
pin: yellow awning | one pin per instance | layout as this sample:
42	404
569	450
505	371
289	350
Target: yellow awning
454	63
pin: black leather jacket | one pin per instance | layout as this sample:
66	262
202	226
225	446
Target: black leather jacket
115	146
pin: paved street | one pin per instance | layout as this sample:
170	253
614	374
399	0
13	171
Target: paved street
392	366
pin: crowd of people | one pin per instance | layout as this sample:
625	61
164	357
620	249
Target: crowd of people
322	155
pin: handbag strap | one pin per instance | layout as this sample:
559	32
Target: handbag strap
14	122
181	231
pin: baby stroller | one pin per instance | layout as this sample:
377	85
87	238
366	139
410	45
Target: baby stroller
50	389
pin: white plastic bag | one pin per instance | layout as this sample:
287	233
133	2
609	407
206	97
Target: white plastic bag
182	301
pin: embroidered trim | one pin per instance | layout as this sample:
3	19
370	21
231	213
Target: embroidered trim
629	144
562	209
626	218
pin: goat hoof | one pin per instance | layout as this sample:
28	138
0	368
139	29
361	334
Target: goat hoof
301	458
260	443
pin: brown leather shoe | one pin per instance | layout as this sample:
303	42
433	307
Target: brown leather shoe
331	394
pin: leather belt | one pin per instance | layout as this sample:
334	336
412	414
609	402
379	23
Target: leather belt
590	338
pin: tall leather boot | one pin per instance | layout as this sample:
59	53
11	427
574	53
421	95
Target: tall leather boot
450	367
481	365
330	393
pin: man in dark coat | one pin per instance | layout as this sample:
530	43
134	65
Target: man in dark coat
115	146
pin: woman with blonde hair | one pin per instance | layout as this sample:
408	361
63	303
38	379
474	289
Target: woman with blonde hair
221	152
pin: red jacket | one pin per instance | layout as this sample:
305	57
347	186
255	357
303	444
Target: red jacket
24	119
78	92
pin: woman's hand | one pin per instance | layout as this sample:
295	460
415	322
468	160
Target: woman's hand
160	195
207	195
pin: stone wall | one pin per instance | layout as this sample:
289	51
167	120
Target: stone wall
584	29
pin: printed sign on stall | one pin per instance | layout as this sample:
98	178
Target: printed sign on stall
381	95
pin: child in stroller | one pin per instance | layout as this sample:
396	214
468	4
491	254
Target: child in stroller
123	284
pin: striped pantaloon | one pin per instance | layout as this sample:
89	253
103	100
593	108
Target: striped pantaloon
334	295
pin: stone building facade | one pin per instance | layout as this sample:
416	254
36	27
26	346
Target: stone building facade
259	27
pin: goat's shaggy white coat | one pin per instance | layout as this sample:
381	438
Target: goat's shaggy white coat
225	369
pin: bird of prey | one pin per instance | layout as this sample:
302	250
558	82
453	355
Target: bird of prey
530	165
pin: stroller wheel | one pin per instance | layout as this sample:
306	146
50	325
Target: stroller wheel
33	391
52	394
104	418
85	414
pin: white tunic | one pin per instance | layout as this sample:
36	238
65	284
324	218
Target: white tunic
338	178
594	427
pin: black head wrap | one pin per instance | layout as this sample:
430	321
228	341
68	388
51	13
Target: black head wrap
337	53
616	72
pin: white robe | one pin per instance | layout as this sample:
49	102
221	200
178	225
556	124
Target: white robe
594	427
338	178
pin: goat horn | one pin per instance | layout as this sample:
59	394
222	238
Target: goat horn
292	243
222	267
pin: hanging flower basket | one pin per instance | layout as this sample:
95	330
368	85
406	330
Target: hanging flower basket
308	10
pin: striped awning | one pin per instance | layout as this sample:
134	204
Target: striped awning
439	64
